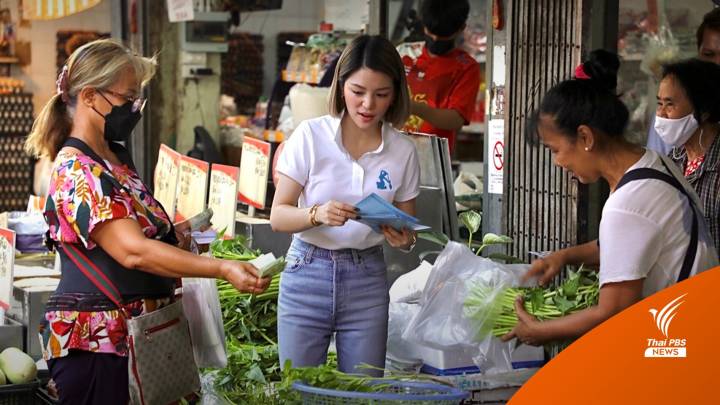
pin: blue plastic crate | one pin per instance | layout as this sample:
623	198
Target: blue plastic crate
396	392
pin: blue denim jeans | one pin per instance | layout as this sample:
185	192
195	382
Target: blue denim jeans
325	292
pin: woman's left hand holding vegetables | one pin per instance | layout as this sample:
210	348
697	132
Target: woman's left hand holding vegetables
528	327
398	239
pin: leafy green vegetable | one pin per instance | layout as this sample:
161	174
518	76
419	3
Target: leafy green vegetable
494	311
232	249
493	239
471	219
435	237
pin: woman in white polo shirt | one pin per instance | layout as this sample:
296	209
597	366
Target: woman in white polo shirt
335	281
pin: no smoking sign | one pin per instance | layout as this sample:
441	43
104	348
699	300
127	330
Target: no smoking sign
497	155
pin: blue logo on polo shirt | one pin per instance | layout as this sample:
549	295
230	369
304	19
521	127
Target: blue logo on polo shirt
384	182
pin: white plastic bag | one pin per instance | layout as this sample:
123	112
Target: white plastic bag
401	355
202	310
409	286
442	322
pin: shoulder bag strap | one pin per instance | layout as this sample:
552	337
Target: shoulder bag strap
94	274
648	173
124	157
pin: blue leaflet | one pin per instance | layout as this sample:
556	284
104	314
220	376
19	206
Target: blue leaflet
375	211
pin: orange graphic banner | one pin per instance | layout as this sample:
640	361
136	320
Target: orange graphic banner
662	350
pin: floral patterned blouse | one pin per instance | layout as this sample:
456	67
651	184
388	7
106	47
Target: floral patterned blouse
82	194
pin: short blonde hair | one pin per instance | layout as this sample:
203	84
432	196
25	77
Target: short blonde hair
379	54
97	64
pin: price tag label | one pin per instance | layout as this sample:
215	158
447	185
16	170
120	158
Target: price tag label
192	187
223	198
166	178
180	10
7	260
254	167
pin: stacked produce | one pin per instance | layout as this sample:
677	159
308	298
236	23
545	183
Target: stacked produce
253	374
16	367
250	323
492	311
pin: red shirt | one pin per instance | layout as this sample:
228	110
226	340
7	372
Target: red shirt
447	81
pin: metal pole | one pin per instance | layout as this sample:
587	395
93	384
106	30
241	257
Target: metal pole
377	13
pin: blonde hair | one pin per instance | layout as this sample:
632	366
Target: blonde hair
97	64
379	54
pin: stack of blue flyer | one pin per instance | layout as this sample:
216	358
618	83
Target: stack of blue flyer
375	211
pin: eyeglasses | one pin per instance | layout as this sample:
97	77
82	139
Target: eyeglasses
138	103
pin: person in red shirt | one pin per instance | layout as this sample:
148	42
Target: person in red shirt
443	79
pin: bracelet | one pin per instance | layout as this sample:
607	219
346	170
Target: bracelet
412	244
313	211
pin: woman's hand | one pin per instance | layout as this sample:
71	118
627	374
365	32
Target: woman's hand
546	268
183	234
334	213
244	277
528	329
398	239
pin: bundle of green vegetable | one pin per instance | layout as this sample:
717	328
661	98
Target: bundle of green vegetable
250	318
236	248
493	311
328	377
251	333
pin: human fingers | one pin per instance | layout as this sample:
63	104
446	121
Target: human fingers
508	336
394	238
537	269
522	314
347	210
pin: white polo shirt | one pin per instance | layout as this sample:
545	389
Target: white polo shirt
315	158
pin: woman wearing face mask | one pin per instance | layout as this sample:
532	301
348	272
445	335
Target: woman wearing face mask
687	119
444	80
335	280
99	208
652	233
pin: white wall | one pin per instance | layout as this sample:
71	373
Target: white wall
347	15
41	74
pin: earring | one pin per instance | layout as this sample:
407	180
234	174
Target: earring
587	149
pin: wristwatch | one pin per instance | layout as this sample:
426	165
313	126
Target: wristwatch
412	244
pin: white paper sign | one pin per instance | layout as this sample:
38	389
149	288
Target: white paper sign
496	155
254	167
223	198
180	10
7	260
498	66
166	178
192	188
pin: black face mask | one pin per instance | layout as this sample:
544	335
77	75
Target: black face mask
120	121
439	47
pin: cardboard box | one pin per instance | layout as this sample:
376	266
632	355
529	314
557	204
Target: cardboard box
28	307
12	334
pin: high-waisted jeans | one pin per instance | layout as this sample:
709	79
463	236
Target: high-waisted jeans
344	292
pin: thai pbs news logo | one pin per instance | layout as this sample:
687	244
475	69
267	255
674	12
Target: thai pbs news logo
668	347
